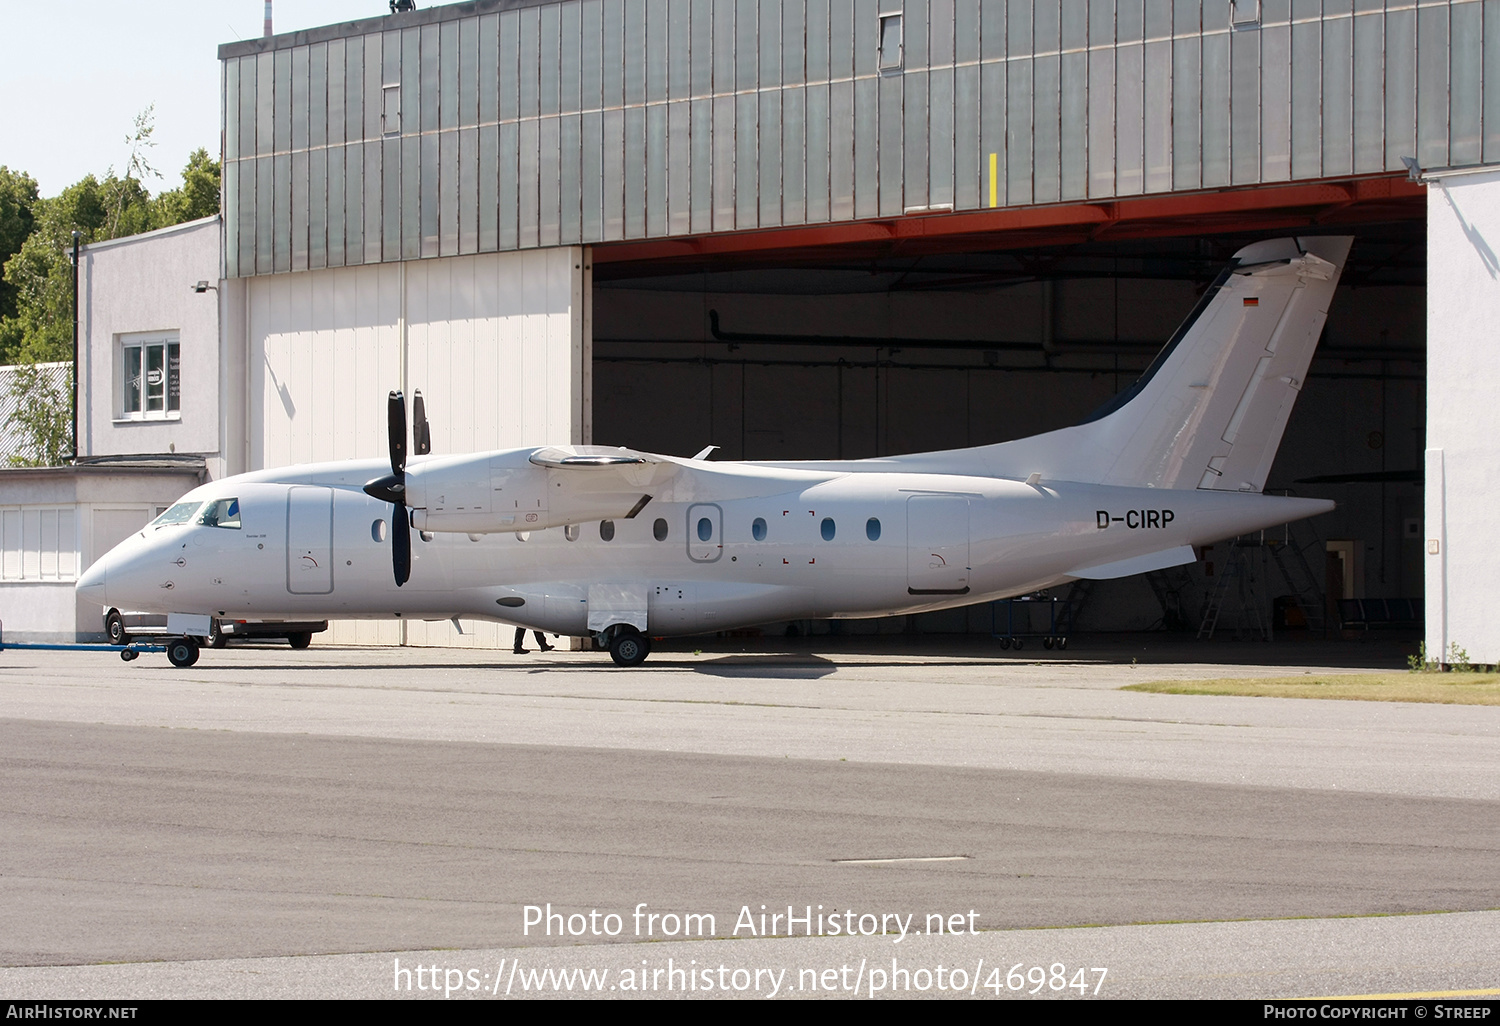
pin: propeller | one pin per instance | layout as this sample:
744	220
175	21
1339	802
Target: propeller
421	435
392	488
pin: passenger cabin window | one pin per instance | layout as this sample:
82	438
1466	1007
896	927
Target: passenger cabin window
705	529
607	530
758	529
221	513
659	529
828	528
872	529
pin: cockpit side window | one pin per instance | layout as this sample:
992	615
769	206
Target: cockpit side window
180	513
221	513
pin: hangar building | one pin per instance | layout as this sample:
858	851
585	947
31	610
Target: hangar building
848	228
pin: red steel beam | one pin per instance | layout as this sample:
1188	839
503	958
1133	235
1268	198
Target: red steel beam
1265	206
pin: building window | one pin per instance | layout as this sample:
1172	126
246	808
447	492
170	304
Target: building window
151	377
890	42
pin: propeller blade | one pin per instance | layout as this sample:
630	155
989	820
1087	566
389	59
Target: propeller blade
421	435
395	411
400	544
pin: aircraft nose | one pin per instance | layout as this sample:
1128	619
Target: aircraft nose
91	585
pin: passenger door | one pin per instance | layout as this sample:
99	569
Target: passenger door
937	545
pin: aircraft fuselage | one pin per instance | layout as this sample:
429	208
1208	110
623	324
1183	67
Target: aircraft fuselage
730	545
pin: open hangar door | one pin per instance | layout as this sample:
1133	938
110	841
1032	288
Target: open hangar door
822	345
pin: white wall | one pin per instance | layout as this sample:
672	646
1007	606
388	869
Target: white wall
1463	415
144	284
497	344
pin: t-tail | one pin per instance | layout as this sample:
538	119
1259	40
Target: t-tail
1210	411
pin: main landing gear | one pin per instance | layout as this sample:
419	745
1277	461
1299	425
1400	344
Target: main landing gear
628	646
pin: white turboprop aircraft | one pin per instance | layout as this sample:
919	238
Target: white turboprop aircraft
613	543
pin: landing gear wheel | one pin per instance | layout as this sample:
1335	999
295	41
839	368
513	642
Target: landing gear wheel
114	626
128	654
299	639
1005	643
182	652
629	648
216	638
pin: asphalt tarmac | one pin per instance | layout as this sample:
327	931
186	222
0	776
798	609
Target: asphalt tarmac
276	823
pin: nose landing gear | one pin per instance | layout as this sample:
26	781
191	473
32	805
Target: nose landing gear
182	652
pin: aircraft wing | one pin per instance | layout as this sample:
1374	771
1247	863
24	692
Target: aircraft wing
533	489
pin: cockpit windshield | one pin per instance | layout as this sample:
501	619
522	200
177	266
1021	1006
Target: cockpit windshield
181	513
221	513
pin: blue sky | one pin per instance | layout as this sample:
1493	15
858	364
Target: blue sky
75	73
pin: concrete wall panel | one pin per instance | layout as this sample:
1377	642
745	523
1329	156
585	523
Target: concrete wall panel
1463	472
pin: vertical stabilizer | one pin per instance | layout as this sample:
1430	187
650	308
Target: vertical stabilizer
1210	411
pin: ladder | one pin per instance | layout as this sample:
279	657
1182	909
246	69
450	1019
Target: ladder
1235	577
1290	558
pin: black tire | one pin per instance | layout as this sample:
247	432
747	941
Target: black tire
182	652
299	639
114	626
1005	643
128	654
1046	642
216	638
1020	644
1062	642
629	648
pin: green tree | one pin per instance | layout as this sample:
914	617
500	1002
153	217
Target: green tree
198	197
18	195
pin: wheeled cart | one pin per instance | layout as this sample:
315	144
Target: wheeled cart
1052	637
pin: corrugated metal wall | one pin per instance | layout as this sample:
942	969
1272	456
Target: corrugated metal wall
503	125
